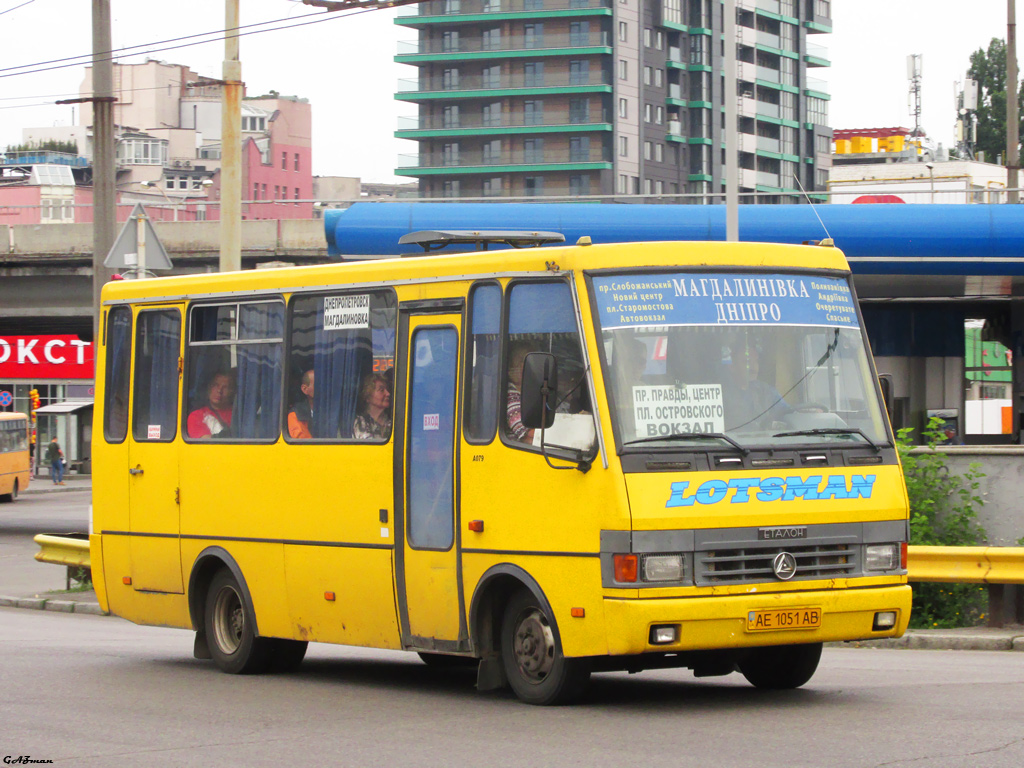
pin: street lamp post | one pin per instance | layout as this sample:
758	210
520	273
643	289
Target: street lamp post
931	182
174	205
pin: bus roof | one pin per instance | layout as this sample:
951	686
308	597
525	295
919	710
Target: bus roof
12	416
477	264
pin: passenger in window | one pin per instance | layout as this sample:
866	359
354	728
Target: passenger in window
300	417
215	417
516	357
373	420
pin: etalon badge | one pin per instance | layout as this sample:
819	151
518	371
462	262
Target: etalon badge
784	566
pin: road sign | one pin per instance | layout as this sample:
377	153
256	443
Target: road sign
137	246
6	398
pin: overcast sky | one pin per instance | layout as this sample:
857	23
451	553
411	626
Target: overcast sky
345	66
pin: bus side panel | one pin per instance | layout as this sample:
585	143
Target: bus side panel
326	499
527	506
99	578
348	617
153	608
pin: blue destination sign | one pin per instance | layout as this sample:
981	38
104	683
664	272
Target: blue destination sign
740	490
633	301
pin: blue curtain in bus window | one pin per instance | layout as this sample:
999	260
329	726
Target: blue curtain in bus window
157	346
541	308
485	349
257	409
430	506
119	346
341	358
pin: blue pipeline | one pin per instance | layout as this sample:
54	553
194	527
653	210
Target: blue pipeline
877	239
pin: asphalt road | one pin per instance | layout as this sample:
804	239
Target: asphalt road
98	691
32	513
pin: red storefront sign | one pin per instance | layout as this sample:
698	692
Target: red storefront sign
46	357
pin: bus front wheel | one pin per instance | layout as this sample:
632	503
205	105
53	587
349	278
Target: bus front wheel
533	660
230	629
780	667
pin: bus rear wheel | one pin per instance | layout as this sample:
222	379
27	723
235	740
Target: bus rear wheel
781	667
533	660
230	629
12	496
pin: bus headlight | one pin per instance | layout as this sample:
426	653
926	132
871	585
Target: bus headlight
663	568
882	557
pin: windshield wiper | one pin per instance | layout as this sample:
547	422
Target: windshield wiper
831	431
691	436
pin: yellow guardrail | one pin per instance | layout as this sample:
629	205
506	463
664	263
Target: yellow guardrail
976	565
70	549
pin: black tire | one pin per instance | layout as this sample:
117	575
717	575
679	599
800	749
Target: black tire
532	656
12	496
446	661
230	629
286	655
781	667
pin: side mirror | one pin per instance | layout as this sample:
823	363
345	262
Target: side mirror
539	390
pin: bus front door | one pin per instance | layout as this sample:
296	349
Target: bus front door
153	520
430	597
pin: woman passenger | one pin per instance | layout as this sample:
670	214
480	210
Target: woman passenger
373	420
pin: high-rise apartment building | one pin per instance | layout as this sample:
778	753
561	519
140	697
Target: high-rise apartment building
577	97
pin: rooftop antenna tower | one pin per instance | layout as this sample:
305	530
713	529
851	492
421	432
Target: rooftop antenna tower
914	98
965	100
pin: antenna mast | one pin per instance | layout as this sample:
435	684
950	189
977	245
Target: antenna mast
914	99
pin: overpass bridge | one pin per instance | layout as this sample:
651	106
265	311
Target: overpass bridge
46	269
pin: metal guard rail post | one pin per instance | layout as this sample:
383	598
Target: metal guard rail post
1001	568
69	549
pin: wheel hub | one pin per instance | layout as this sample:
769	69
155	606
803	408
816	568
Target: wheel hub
534	646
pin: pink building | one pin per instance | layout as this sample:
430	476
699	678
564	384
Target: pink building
168	154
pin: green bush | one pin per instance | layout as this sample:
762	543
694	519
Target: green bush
943	512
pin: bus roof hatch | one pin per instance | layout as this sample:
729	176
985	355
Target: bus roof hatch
432	240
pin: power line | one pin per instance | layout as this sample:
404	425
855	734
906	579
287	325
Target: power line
27	2
320	17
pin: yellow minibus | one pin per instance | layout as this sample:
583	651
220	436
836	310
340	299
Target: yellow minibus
545	462
15	463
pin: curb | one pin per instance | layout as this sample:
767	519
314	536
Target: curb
47	604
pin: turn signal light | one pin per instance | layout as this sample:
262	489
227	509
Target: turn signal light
903	555
577	613
625	568
477	526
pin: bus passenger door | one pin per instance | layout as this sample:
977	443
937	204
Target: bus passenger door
153	520
427	566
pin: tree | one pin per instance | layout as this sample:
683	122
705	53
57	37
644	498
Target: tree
989	69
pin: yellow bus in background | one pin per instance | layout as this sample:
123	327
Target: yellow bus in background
15	462
546	462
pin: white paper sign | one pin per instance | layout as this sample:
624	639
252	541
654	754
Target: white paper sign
344	312
153	432
431	422
671	410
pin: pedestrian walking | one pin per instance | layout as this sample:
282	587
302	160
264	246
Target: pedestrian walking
55	456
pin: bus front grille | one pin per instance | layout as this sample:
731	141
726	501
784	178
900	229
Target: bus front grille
752	565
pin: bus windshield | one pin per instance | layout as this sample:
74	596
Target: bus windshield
735	360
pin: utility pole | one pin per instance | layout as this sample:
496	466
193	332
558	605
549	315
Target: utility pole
1012	108
231	146
732	197
103	145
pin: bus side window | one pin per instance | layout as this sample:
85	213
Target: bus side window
157	346
484	363
347	341
235	361
541	318
119	348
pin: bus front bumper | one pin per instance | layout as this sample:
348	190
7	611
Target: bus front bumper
743	621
